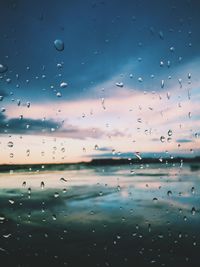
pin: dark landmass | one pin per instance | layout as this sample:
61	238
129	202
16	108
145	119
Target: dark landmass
195	164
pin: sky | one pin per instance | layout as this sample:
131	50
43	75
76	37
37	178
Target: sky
124	83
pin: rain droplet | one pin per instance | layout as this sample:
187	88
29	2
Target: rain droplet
58	94
137	154
63	85
3	68
96	147
28	152
168	95
63	149
193	190
161	63
7	235
119	84
162	139
161	35
54	217
169	133
118	188
155	200
42	185
56	194
169	193
59	45
11	201
10	144
2	218
62	179
193	211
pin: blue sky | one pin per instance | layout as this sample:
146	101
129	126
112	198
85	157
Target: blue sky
151	48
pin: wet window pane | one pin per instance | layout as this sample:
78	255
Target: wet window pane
99	133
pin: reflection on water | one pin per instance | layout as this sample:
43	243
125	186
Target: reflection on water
101	216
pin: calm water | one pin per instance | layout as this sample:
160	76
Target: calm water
101	216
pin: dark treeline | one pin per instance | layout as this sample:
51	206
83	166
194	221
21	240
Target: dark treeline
99	162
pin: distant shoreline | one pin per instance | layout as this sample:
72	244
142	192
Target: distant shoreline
97	162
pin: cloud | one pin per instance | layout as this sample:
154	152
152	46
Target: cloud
80	133
26	126
184	140
105	148
46	127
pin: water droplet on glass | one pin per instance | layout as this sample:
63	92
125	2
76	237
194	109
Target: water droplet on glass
59	45
63	85
54	217
58	94
118	188
169	193
119	84
169	133
7	235
62	179
168	95
11	201
161	35
193	190
137	154
28	152
193	211
96	147
42	185
10	144
3	68
155	200
162	139
56	194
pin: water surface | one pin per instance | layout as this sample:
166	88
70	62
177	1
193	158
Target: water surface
139	215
